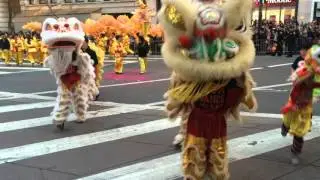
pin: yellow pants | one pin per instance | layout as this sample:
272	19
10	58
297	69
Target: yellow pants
1	54
18	56
32	57
43	56
6	56
201	160
118	67
143	64
128	50
299	122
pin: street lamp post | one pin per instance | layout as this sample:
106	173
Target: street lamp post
296	10
260	17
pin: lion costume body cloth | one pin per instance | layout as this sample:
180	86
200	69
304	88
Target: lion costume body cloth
72	68
209	49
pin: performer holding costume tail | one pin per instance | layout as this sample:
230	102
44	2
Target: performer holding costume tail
126	44
118	51
101	52
72	68
209	48
297	113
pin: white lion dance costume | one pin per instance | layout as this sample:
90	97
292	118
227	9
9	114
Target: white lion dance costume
72	68
208	46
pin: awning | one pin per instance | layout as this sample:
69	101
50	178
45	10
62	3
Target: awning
58	12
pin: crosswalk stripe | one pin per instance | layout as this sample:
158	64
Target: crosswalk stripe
68	143
4	72
114	85
21	107
30	96
39	68
169	167
43	121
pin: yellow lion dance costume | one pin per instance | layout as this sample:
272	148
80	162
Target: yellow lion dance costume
209	48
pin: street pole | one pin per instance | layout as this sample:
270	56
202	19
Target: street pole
260	17
296	10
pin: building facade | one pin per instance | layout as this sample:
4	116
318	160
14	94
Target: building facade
275	10
38	10
309	10
4	15
280	10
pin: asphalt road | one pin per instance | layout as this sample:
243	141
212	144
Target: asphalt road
127	135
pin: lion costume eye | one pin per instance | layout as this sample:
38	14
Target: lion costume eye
48	27
315	52
242	27
174	17
76	26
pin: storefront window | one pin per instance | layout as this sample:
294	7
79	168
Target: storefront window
91	0
53	1
79	1
67	1
31	2
43	1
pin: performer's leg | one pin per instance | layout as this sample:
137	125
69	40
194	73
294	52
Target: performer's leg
41	58
80	102
142	65
178	139
6	56
19	58
31	58
118	65
296	149
284	130
93	90
218	159
1	54
194	157
62	108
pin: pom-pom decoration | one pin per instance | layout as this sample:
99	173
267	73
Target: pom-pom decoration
33	26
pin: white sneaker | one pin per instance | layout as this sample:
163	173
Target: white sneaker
178	139
295	159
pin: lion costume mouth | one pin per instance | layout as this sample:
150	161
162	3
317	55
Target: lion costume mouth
64	44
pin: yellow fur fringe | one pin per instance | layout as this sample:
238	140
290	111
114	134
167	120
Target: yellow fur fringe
192	91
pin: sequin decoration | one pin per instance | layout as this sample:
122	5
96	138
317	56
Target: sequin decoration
174	17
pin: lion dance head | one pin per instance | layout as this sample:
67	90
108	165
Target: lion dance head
207	40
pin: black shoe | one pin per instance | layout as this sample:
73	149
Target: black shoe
97	97
284	130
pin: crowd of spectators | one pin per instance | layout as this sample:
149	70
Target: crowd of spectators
284	37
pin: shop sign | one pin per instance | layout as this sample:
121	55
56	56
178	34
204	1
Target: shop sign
283	3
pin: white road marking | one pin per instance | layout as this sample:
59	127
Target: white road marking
17	72
273	90
40	105
62	144
272	86
30	96
279	65
169	167
4	72
40	68
114	85
43	121
21	107
256	68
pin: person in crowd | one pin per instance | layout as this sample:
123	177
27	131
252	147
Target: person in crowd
143	50
93	55
301	57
